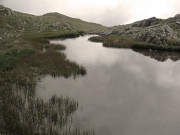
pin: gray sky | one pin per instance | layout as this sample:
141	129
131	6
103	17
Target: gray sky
106	12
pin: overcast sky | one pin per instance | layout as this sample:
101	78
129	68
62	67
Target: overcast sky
105	12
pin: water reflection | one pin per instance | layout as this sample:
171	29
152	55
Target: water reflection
160	56
123	93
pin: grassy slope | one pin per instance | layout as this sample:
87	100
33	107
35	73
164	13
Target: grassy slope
51	22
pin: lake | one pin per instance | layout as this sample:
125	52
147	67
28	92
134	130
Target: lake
123	93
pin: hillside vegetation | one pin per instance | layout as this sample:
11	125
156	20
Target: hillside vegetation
24	23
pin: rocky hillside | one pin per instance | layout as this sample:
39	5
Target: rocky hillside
153	30
16	23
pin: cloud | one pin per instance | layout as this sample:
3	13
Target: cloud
36	7
176	7
109	16
109	12
115	16
142	9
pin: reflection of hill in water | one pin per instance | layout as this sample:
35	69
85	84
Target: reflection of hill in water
159	56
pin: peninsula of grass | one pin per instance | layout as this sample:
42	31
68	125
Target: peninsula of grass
22	65
116	41
30	44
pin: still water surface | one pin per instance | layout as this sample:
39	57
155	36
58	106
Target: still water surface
123	93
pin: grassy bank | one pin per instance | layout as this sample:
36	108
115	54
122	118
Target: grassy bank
23	113
116	41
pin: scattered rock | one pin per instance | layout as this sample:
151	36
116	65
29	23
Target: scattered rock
116	40
16	41
56	24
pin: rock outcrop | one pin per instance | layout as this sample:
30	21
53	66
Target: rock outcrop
5	11
157	35
146	22
108	32
151	30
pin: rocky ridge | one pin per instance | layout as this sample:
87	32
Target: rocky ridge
152	30
5	11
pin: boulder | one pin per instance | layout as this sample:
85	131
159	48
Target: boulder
127	28
107	32
5	11
177	16
0	38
